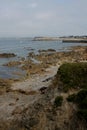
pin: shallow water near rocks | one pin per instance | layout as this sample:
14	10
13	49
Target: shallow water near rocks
21	47
11	72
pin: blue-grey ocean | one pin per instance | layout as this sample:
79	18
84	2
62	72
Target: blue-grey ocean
21	47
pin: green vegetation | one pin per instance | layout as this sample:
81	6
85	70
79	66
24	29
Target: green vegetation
58	101
82	114
81	100
73	75
71	98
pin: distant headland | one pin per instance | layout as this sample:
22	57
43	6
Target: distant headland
82	39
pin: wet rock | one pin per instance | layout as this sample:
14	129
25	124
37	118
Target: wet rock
42	90
5	86
52	50
7	55
17	110
48	50
29	48
12	63
31	54
46	80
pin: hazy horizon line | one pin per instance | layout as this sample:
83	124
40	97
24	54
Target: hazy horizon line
41	36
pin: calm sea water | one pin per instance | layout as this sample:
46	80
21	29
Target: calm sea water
21	47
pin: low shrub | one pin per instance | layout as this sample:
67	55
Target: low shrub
82	113
81	95
81	100
71	98
73	75
58	101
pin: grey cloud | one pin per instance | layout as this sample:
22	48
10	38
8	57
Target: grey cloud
38	17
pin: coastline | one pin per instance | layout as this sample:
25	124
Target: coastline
63	39
25	93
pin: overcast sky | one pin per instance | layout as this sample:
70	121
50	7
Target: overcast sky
20	18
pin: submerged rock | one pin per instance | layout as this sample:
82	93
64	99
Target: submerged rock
7	55
48	50
13	63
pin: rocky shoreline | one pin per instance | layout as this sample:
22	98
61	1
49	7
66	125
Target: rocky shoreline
28	104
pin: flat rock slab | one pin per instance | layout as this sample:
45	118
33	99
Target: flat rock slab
37	81
14	103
